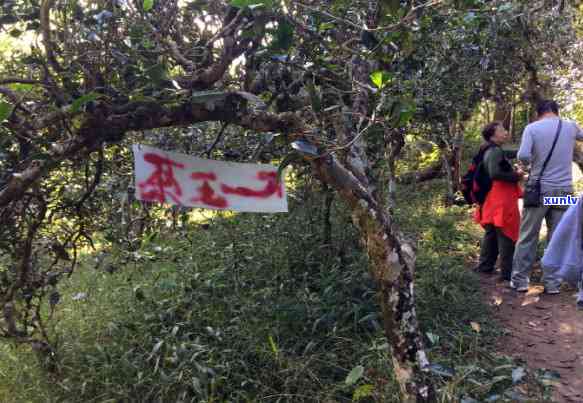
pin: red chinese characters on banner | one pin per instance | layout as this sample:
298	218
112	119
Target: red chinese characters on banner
207	194
162	181
174	179
273	186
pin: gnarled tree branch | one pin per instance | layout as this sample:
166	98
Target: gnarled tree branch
109	124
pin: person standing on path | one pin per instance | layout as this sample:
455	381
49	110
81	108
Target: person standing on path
535	148
564	254
499	215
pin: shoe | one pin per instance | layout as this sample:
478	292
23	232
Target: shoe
580	305
522	288
552	291
479	269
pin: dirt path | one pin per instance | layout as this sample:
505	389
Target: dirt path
545	330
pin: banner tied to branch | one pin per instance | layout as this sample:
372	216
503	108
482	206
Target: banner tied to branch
179	179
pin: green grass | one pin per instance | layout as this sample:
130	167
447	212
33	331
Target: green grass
254	308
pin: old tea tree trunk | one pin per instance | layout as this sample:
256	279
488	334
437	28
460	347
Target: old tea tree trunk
391	260
392	264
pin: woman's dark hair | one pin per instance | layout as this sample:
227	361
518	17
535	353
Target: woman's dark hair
489	130
547	105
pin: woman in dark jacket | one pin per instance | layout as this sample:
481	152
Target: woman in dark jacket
499	215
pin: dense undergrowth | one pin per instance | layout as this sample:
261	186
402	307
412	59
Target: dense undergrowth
250	307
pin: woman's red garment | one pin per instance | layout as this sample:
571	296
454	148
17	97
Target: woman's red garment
501	208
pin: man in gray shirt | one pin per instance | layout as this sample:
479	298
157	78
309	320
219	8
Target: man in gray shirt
537	140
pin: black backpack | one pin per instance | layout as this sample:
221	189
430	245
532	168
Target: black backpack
476	183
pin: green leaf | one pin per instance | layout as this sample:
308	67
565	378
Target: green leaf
168	285
157	73
499	378
354	375
406	116
251	3
284	36
381	78
433	338
148	4
325	25
157	347
273	346
391	6
362	392
407	112
505	7
15	33
441	370
147	43
21	87
5	110
79	102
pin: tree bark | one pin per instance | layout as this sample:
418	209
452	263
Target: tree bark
392	182
503	107
456	156
503	113
512	127
394	141
392	262
536	89
450	195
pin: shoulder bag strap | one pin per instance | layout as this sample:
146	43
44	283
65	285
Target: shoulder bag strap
552	149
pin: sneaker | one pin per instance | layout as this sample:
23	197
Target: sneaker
552	291
521	288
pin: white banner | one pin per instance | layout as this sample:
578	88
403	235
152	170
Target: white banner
179	179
